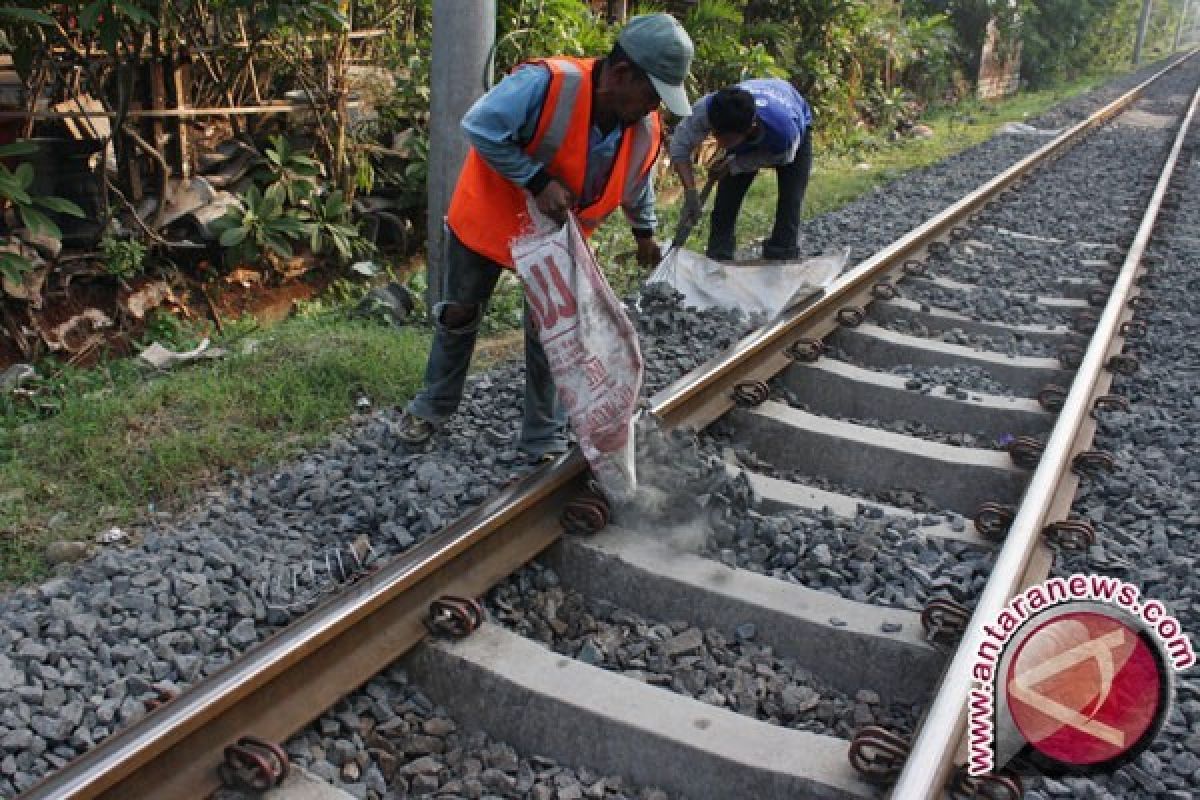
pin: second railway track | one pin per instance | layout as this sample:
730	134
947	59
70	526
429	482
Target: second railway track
808	570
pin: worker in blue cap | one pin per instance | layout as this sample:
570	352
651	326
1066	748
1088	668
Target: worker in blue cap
574	135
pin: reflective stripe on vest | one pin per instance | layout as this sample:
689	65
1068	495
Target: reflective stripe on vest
556	131
642	146
487	212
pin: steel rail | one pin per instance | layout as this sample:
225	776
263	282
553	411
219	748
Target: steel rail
930	761
678	403
285	682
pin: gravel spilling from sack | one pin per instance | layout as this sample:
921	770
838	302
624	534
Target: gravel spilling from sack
674	340
83	652
872	557
728	669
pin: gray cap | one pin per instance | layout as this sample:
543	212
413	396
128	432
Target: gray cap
659	45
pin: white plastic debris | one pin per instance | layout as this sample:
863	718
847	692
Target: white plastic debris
1021	129
160	357
112	536
16	376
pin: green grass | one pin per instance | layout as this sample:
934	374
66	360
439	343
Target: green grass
109	443
112	452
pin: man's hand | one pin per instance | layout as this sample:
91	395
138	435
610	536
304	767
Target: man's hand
555	200
690	214
648	252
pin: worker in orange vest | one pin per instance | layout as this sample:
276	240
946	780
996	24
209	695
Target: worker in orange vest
576	134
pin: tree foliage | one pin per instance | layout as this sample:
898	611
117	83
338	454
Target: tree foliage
1059	39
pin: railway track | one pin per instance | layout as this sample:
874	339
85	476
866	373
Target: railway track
839	389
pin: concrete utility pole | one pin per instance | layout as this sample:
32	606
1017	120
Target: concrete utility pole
463	34
1143	23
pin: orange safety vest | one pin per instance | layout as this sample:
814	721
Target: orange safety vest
488	211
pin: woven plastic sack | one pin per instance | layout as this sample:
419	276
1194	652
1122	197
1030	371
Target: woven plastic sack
768	288
591	346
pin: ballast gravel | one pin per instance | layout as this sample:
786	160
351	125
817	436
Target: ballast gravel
880	217
1145	511
1048	200
82	654
729	669
389	740
1009	344
873	557
913	428
961	378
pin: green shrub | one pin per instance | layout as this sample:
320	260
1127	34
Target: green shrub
31	208
123	258
261	224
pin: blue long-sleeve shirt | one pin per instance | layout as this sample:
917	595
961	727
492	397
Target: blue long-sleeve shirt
503	122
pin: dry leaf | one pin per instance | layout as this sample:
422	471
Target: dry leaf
76	331
246	277
148	296
295	266
30	286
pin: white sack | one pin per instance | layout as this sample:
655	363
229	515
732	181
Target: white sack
755	289
591	346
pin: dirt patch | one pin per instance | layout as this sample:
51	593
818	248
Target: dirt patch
267	304
84	321
503	346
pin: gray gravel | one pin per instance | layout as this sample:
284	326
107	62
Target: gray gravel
871	558
995	245
675	341
989	305
1084	217
1145	512
1010	269
389	740
727	669
889	211
965	378
1010	344
919	430
82	653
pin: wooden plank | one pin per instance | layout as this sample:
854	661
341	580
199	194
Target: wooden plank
181	81
133	166
158	102
174	113
94	126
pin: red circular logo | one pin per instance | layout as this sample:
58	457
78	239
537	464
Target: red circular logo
1084	688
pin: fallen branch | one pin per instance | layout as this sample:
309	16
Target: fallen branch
164	184
212	309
